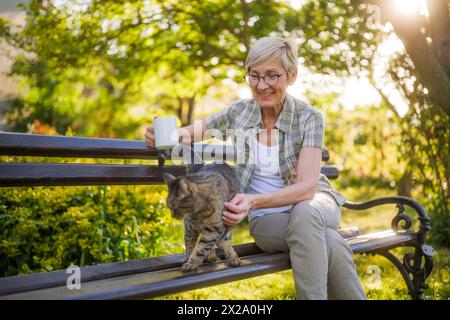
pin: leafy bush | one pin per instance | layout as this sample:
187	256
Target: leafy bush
44	229
428	147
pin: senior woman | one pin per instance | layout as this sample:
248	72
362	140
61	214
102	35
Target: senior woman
291	206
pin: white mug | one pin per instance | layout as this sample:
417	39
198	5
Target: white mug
166	132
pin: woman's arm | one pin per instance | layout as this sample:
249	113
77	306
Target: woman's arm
308	169
196	131
193	133
190	133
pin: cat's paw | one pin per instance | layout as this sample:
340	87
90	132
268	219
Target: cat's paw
235	262
188	266
212	257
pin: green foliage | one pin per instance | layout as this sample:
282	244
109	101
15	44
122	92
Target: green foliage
45	229
84	65
362	143
337	37
426	145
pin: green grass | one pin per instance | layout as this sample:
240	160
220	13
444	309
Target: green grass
389	287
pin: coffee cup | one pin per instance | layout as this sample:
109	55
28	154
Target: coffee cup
166	132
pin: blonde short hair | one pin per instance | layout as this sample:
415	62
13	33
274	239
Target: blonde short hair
269	49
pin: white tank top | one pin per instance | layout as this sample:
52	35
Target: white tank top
266	177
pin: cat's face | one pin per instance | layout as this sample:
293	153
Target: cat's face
181	197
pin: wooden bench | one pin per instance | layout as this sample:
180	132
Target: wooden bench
157	276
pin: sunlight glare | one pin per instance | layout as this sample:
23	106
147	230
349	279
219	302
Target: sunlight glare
358	92
412	6
244	92
297	4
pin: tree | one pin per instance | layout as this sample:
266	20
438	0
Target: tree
422	75
104	50
427	42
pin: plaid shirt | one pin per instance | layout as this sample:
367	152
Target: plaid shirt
298	125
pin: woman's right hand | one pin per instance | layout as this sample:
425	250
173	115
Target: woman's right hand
150	136
186	134
238	209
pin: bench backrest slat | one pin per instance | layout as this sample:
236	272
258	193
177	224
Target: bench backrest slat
23	144
67	174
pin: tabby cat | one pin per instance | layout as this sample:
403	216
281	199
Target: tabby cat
199	198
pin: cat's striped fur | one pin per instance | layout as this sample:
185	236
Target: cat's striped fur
199	198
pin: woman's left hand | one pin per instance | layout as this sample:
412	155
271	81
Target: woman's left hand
238	209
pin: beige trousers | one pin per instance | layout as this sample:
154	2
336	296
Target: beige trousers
322	261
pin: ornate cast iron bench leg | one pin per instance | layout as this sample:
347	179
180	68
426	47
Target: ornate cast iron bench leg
416	266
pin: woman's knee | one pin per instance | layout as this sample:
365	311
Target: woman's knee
270	244
269	232
305	215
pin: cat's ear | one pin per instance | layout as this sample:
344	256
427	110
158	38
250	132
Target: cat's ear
168	178
187	186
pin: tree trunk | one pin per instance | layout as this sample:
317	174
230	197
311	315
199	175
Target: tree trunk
180	110
405	184
429	50
185	110
191	107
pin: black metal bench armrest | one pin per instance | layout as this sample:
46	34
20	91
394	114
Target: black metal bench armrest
413	270
400	202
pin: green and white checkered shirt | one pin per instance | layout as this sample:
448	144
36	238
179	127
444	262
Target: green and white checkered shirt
299	125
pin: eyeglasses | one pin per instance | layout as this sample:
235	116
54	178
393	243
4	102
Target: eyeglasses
270	79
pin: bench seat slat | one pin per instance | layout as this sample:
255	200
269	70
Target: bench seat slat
109	270
163	282
380	240
42	280
147	284
157	283
63	174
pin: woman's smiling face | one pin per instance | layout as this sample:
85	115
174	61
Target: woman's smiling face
269	96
